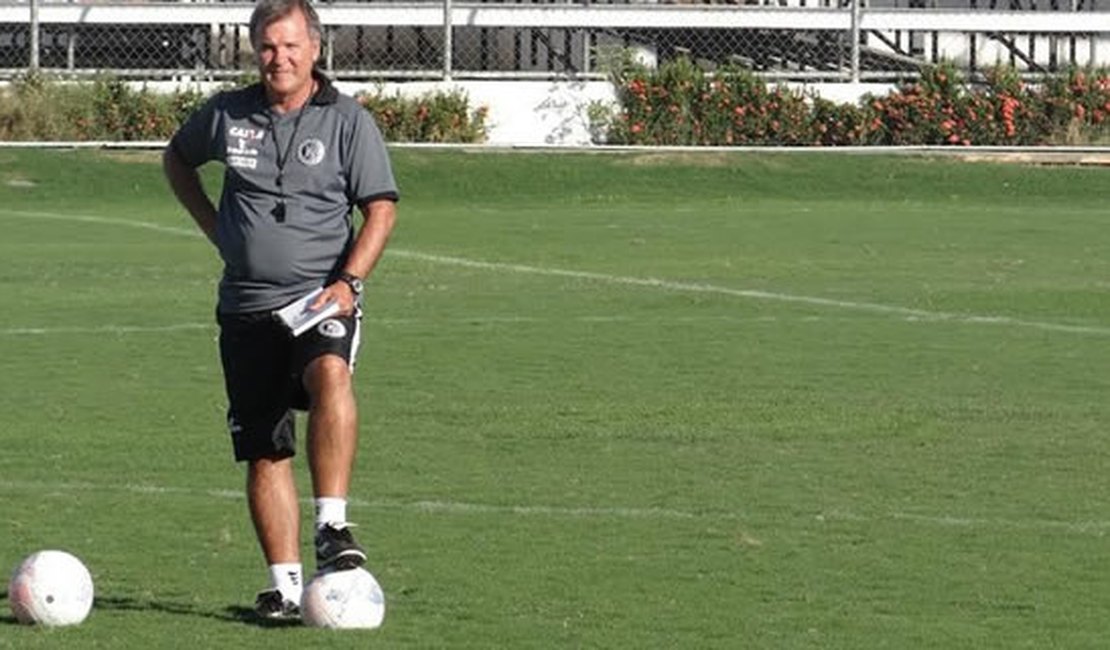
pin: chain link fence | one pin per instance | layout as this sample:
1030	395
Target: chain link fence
788	39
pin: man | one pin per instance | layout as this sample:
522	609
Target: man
298	156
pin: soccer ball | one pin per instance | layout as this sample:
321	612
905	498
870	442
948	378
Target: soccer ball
51	588
349	599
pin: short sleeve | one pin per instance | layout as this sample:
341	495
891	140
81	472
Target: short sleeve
196	142
369	173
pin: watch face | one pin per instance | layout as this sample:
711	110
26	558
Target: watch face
353	282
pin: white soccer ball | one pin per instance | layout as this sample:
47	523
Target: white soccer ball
51	588
350	599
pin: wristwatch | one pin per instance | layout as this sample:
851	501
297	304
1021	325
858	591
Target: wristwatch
353	281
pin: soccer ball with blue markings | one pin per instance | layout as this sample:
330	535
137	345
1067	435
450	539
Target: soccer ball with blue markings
349	599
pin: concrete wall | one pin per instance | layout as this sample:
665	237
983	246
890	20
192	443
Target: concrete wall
554	113
523	113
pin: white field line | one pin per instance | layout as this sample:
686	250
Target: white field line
692	287
1092	527
654	283
1096	528
422	506
120	330
108	221
107	329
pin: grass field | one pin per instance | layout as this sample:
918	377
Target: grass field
620	401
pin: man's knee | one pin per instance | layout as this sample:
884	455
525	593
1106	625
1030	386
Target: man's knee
326	373
269	471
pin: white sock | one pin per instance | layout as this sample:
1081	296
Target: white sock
288	579
330	510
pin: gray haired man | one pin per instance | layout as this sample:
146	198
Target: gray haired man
298	157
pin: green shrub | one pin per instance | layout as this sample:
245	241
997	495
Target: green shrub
121	113
33	108
37	108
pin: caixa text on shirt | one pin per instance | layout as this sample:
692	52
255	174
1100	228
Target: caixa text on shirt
240	153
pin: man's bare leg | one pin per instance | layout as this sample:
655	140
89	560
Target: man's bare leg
332	426
272	496
332	443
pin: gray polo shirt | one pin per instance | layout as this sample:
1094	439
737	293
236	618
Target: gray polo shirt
290	182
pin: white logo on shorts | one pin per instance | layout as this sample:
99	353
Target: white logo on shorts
311	152
332	328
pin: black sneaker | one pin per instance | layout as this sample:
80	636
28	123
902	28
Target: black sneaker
336	549
272	606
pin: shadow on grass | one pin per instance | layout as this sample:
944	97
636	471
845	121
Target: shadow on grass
6	619
231	613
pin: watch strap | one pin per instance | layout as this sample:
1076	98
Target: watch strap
353	281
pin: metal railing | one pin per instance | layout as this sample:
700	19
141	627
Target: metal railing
445	39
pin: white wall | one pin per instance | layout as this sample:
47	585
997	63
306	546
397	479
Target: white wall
521	113
554	113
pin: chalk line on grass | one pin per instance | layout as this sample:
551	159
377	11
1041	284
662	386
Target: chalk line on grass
106	329
908	313
1091	527
424	506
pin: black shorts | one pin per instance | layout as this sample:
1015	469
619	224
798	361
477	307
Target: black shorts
263	367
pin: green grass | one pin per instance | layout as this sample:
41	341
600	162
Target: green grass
622	401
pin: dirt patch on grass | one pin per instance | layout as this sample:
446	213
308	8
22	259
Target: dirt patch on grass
1070	158
19	181
684	158
134	156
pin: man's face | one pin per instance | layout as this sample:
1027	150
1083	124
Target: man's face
286	54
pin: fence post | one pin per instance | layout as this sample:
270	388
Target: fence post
34	40
330	57
71	49
855	40
447	37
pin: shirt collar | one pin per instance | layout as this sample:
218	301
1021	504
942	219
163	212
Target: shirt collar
325	92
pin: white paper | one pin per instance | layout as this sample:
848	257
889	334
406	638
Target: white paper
299	317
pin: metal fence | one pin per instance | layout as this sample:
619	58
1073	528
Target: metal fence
436	39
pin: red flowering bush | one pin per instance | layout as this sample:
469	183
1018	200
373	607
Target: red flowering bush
933	110
679	104
434	117
1077	106
940	108
842	124
1016	114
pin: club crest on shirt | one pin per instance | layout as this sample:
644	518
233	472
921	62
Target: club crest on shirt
311	152
332	328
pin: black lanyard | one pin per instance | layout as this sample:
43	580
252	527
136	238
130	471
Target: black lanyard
279	209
